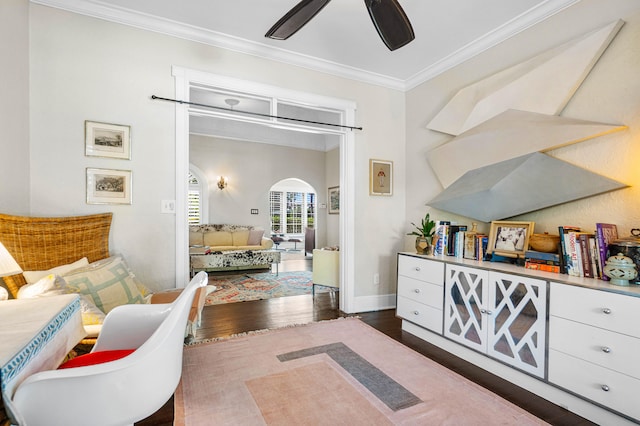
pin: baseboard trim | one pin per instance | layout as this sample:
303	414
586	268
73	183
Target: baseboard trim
375	303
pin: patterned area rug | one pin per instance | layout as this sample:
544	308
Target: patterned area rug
340	372
266	285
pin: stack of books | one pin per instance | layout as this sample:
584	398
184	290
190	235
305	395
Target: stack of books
541	261
584	254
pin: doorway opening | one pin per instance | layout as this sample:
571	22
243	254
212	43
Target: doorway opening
209	88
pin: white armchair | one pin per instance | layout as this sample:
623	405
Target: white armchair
326	269
122	391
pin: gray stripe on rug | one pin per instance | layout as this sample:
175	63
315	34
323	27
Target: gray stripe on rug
387	390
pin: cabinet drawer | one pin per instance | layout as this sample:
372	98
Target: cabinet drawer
610	311
590	380
422	315
611	350
421	269
419	291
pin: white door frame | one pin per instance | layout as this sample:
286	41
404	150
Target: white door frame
183	79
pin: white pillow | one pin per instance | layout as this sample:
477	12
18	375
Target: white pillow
49	285
255	237
33	276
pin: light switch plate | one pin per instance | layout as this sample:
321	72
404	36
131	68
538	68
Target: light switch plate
168	206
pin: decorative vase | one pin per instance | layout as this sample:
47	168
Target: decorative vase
423	245
620	269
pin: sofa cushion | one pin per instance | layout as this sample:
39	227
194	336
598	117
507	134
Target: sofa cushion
196	238
240	238
255	237
218	238
94	358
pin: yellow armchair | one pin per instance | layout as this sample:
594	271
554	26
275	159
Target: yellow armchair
326	268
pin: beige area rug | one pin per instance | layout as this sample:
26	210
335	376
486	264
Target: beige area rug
340	372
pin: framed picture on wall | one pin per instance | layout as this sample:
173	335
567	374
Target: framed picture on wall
334	200
107	140
106	186
510	239
380	177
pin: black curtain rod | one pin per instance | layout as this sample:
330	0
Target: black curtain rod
254	113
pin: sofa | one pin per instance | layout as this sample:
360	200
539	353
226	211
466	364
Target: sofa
205	238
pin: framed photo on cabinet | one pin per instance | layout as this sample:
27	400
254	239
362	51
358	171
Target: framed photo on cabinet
334	200
509	239
107	186
380	177
107	140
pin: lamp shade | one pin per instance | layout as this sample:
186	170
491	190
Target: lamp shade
8	265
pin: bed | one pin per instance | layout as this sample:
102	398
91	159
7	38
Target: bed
42	243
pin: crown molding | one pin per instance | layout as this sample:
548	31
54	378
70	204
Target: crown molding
101	10
531	17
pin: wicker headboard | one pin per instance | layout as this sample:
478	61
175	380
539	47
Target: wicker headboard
41	243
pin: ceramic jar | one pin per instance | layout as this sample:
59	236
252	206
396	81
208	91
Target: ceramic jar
620	269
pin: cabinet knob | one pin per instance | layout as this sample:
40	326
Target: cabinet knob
606	349
416	312
606	311
417	290
604	388
483	311
417	269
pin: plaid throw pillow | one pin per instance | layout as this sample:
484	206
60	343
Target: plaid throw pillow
108	283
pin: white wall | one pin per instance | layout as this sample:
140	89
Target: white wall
610	94
252	169
84	68
14	107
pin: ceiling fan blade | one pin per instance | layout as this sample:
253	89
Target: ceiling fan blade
295	19
391	22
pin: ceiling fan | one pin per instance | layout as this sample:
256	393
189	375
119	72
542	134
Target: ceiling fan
390	21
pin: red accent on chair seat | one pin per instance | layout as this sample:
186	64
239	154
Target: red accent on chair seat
96	358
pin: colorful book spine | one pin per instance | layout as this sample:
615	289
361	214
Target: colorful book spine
585	256
605	234
532	254
542	267
483	242
441	237
574	264
597	272
564	245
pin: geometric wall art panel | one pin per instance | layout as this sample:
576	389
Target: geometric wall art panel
543	84
518	186
509	135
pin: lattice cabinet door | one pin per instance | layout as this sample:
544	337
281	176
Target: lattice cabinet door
517	324
464	305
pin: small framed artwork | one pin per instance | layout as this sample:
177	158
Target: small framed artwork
107	140
509	239
106	186
380	177
334	200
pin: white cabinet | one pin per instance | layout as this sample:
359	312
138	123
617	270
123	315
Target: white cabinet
594	342
420	291
574	341
502	315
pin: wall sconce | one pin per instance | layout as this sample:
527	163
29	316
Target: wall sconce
222	182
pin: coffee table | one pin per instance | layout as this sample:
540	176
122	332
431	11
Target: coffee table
229	259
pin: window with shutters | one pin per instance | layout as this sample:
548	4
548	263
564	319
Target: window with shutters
291	212
197	199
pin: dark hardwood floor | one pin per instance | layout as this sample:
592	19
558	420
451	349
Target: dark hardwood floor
227	319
